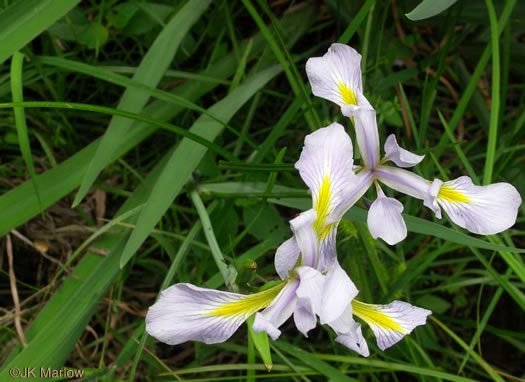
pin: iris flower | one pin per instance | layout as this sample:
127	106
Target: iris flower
313	285
480	209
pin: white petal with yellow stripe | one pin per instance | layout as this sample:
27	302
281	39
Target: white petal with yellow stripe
337	75
185	312
485	210
390	323
325	165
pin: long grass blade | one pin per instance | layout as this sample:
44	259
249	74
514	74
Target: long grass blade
17	64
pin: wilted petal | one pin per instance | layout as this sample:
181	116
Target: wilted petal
185	312
367	136
385	219
286	257
485	210
308	293
390	323
349	332
337	75
278	312
325	165
363	181
400	156
306	237
338	292
354	340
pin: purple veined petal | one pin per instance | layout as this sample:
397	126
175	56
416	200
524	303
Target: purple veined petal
338	292
385	219
390	323
363	181
367	136
286	257
306	237
485	210
337	75
185	312
400	156
325	165
278	312
327	247
308	293
403	181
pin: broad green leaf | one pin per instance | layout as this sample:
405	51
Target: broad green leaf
429	8
149	72
24	20
186	158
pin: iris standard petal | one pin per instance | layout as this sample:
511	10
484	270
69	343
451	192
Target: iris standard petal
363	181
286	257
281	308
308	293
390	323
367	136
400	156
385	219
185	312
325	165
337	75
306	237
485	210
338	292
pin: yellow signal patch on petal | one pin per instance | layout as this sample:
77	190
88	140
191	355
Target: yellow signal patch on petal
250	304
348	95
373	316
450	195
321	207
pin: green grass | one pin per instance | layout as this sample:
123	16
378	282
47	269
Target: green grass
146	143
